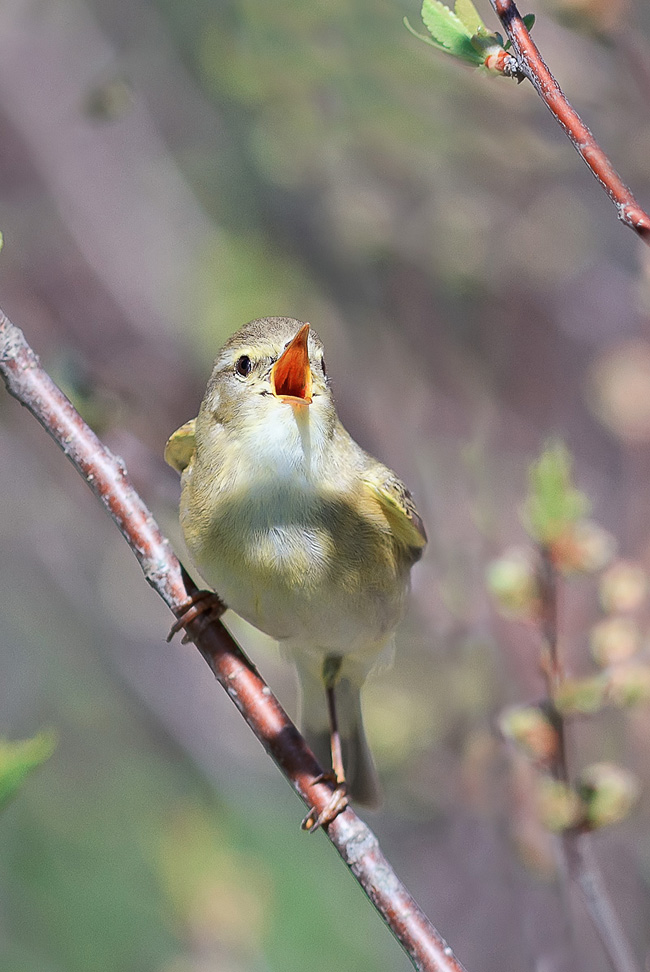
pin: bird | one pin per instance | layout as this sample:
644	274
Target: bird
300	532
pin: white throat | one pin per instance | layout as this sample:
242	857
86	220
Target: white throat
290	443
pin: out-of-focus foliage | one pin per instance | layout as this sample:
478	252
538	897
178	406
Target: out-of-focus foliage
512	581
604	793
554	504
19	759
531	728
609	792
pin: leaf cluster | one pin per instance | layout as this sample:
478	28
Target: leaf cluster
554	504
462	33
554	515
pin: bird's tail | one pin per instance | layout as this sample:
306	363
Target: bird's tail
360	772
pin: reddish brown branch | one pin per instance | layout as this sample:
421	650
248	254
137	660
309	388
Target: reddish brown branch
105	474
531	65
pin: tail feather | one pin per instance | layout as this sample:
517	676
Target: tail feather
360	773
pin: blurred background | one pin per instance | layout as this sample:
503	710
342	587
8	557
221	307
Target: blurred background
168	171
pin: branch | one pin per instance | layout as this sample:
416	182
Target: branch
532	66
581	865
106	475
583	869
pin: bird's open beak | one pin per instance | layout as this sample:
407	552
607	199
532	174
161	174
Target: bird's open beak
291	374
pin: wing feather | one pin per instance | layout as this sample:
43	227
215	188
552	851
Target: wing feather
180	447
397	505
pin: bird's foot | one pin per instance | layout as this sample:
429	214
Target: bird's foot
334	806
205	603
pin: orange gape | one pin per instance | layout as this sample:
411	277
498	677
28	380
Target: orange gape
291	374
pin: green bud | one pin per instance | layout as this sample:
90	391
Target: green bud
629	684
531	729
560	807
609	792
553	502
623	587
614	640
583	548
512	582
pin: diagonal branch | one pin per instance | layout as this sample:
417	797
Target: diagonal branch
532	66
106	475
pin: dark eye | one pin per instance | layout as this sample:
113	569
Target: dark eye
322	364
243	366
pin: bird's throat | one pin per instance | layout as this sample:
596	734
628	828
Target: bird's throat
302	416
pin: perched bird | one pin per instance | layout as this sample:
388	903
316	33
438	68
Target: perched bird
299	530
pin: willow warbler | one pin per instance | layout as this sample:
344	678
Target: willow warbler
297	529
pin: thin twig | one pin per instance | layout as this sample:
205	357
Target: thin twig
583	869
581	865
551	662
106	475
531	65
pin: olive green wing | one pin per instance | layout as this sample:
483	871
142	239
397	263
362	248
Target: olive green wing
180	447
398	507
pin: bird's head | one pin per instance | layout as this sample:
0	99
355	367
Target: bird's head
269	376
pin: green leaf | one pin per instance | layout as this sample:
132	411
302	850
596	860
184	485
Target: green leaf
443	24
19	759
449	32
423	37
553	503
469	15
462	33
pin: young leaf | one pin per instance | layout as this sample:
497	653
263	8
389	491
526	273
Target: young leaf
423	37
467	12
18	759
553	503
462	33
448	31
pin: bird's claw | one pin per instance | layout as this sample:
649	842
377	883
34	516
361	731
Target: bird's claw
334	806
205	603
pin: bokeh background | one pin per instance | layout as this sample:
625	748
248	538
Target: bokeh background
170	169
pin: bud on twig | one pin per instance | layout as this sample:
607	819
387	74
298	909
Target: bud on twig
608	792
623	587
560	807
512	581
530	728
614	640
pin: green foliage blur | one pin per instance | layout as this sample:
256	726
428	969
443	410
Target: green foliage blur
553	504
19	759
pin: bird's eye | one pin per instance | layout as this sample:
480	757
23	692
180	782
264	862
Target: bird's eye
243	366
322	364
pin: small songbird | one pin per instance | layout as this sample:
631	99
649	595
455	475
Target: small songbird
299	530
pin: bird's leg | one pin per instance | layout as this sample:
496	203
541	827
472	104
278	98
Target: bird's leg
330	677
339	799
205	603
